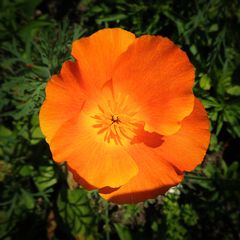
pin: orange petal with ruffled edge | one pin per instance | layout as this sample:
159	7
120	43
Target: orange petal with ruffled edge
155	176
64	99
99	163
187	148
97	54
159	77
81	181
162	159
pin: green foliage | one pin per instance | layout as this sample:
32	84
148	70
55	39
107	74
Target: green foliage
178	217
217	185
37	199
75	212
122	231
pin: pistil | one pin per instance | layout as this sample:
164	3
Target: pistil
116	120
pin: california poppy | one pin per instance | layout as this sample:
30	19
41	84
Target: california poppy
123	115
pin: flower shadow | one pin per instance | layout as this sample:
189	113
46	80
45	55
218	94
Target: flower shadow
150	139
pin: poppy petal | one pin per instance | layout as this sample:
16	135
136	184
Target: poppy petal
187	148
183	151
64	99
159	76
99	163
155	176
97	54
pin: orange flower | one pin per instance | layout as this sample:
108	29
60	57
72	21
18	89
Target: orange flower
123	115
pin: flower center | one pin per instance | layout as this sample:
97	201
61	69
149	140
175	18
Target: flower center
116	120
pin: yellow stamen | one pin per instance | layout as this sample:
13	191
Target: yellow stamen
116	120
